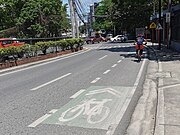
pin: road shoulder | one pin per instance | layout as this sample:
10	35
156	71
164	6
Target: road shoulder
143	118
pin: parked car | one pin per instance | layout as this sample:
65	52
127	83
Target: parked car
109	36
125	37
120	38
89	40
6	42
95	39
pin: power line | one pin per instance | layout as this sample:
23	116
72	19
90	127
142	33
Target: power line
80	3
80	8
84	5
79	11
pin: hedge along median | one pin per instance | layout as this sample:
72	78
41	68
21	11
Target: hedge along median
9	56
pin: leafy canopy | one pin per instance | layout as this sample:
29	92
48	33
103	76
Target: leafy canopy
34	18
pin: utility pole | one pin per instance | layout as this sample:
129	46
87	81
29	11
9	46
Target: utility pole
91	14
72	12
168	20
159	31
88	25
76	23
154	7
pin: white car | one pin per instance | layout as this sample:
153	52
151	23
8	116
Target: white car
118	38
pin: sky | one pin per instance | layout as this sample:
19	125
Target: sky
86	3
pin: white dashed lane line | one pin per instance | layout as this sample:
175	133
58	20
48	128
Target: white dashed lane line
114	65
119	61
41	119
107	71
102	57
94	81
78	93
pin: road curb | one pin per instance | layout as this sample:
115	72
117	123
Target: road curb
144	117
39	62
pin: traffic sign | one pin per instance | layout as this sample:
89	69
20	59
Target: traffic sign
159	27
152	25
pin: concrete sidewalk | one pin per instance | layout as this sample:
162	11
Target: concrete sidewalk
168	105
158	109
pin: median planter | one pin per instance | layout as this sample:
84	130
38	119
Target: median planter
31	50
32	59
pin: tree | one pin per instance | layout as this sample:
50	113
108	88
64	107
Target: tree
103	15
9	12
45	18
34	18
122	15
129	14
165	3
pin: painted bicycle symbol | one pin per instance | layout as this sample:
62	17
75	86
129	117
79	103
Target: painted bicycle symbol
95	110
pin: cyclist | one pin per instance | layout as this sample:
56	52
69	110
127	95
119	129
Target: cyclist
139	44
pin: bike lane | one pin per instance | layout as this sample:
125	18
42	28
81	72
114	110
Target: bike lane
98	107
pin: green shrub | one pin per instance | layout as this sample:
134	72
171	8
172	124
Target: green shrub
43	46
70	42
31	50
62	43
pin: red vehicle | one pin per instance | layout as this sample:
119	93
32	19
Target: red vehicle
99	39
6	42
94	39
89	40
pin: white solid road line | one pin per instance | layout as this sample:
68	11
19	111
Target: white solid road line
107	71
114	65
140	73
102	57
41	119
41	64
94	81
77	93
51	81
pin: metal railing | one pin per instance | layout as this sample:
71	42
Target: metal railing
32	41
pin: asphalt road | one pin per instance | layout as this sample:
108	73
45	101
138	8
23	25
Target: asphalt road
81	94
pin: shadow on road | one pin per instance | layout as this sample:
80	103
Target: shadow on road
120	49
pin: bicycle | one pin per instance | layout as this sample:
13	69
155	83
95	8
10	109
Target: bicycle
139	55
139	49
